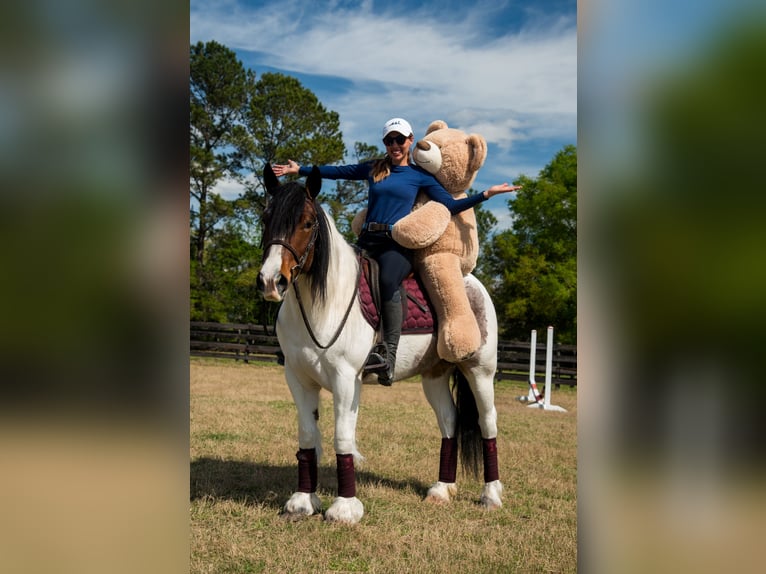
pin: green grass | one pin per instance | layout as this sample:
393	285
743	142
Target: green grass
243	469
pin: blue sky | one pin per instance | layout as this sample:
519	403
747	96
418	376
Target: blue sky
505	70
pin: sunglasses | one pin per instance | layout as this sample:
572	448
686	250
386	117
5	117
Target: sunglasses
400	139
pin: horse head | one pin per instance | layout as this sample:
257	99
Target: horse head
293	225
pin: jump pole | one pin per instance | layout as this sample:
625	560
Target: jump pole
534	394
546	404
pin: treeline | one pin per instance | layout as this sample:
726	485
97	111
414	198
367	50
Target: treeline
239	122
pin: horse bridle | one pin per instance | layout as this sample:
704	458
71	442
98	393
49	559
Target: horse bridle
295	271
300	260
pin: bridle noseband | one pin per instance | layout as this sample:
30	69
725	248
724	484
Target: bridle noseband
300	260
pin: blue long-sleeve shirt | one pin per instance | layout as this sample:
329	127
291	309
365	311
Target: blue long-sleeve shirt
393	197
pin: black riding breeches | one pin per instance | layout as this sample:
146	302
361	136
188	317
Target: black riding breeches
394	261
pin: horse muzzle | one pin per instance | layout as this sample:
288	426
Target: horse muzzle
272	286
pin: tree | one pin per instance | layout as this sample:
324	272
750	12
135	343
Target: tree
535	262
283	120
218	91
485	224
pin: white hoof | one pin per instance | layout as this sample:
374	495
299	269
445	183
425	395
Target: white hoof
345	510
441	492
303	504
491	495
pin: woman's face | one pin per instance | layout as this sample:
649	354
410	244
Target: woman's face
398	147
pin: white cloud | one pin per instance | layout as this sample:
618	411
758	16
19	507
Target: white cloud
420	62
529	71
228	189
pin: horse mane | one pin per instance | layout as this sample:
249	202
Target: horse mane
284	213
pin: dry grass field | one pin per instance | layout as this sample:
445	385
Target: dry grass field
243	437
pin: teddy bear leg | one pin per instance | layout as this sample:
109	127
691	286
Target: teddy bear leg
459	336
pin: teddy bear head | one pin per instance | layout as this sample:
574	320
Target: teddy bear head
451	155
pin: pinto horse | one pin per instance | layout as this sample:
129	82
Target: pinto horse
315	272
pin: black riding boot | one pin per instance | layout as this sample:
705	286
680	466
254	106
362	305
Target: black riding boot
392	330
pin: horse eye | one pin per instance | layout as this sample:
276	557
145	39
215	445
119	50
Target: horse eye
308	225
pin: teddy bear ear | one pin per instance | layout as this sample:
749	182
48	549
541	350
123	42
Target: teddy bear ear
478	147
436	125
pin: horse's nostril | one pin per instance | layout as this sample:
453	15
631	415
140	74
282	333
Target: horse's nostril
282	282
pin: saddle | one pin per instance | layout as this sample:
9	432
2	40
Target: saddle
418	316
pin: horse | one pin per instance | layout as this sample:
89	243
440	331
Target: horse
314	272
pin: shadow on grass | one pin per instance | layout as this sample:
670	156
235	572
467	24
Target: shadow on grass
263	484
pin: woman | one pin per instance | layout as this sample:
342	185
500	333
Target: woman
394	184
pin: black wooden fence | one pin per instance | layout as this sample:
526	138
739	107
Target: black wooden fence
248	342
240	341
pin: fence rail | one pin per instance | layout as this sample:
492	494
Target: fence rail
239	341
248	342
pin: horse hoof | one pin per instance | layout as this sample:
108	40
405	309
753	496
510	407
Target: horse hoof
491	495
301	505
441	492
345	510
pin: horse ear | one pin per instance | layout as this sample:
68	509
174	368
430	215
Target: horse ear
270	179
314	182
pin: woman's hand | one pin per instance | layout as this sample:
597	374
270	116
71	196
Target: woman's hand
501	188
280	170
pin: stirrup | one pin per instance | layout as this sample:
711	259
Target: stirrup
375	363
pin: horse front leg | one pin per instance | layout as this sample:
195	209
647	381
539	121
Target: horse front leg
346	508
304	501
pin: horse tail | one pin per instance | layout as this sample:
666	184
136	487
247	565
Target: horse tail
467	428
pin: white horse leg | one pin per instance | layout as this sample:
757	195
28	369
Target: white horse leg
439	397
304	501
346	508
483	389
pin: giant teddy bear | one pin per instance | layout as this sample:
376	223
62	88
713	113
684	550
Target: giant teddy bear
446	247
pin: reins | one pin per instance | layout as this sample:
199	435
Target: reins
296	270
343	321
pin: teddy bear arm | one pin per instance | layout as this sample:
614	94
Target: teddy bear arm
358	221
422	227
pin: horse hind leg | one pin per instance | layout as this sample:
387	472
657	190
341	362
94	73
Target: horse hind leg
445	488
478	389
492	493
439	397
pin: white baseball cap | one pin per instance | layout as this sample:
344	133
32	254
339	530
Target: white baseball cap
397	125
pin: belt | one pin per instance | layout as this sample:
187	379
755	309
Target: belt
372	226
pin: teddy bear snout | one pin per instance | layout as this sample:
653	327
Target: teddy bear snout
427	156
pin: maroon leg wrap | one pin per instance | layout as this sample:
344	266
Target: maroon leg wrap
346	476
489	446
448	460
307	469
